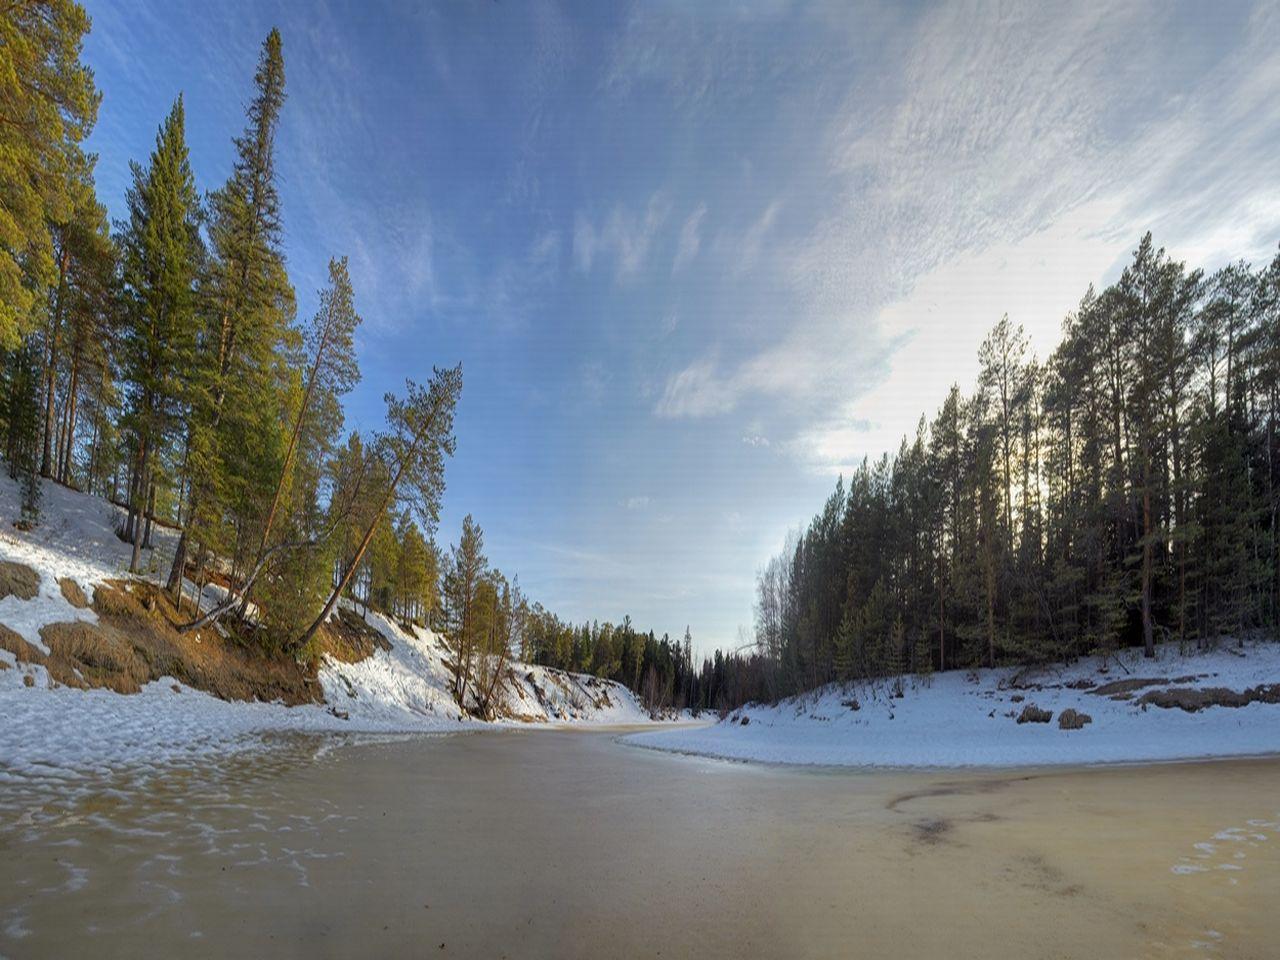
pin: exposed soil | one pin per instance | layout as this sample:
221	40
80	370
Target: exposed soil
349	639
1192	699
18	580
72	593
136	641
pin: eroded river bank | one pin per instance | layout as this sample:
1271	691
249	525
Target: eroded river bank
570	844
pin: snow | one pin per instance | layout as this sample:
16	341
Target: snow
957	719
65	732
413	678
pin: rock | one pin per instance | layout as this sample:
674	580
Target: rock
1072	719
745	721
1017	698
1033	714
28	680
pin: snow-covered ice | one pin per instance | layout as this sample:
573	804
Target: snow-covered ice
958	719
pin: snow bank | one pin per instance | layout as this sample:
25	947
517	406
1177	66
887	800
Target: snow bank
67	732
412	679
959	719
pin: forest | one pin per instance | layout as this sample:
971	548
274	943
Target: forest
158	362
1121	493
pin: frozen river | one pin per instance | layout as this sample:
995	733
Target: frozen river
571	844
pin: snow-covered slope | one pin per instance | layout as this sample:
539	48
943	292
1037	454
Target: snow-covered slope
412	679
959	719
47	725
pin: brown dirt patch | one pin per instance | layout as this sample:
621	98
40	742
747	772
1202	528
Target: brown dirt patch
86	654
348	638
136	641
72	592
12	641
18	580
225	666
61	670
1192	699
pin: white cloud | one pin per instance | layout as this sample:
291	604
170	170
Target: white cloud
637	503
625	235
1011	159
753	240
697	391
690	239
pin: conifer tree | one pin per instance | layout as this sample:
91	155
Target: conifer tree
234	431
466	618
161	250
48	105
411	455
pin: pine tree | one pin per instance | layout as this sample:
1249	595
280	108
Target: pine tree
24	431
48	105
466	617
411	458
331	373
235	440
161	250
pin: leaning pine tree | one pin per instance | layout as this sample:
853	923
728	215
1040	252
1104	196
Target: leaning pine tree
413	453
330	374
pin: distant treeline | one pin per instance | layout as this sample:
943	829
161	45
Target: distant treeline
661	671
1123	492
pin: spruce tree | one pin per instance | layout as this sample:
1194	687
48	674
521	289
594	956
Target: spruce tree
235	438
161	249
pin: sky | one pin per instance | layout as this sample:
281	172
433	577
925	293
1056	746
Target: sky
697	259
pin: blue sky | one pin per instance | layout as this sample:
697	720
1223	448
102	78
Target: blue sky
697	258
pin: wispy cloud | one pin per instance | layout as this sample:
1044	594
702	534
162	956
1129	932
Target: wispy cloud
690	239
1000	162
625	235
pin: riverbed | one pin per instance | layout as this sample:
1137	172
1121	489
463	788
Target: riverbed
569	843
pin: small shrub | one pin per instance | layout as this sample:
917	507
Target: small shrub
1072	719
1033	714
